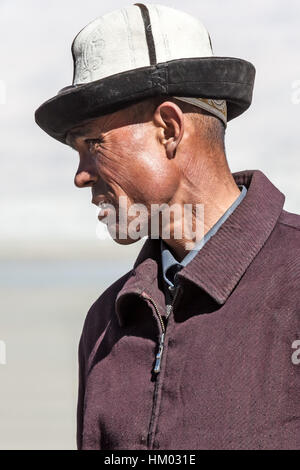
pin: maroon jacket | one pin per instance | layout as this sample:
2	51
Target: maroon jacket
227	379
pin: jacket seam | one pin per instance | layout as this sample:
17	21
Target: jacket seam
289	225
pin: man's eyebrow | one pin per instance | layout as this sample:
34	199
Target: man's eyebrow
73	135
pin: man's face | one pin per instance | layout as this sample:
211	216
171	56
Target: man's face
122	158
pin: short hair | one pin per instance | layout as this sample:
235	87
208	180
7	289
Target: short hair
212	127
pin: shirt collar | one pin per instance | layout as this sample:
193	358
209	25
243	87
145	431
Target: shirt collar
219	266
170	264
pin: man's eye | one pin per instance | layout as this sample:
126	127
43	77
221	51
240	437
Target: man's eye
92	142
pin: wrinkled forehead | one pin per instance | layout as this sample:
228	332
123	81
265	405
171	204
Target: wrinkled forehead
106	122
85	128
77	132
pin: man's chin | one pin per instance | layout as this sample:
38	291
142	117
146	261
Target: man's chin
123	239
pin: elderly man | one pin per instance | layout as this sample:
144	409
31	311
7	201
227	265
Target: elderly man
193	348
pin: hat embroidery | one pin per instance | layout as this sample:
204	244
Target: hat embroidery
90	58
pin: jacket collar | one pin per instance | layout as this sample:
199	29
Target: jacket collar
221	263
169	261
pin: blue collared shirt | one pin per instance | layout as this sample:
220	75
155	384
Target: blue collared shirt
171	265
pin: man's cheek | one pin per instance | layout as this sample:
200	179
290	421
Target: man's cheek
107	170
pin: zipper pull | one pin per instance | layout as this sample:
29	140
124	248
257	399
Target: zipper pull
159	354
169	310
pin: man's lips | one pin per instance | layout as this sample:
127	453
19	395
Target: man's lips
97	200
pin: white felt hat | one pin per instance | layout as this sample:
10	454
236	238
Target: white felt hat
138	52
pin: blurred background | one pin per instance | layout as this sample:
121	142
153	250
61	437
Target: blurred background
53	265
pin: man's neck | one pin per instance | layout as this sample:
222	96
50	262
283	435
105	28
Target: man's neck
215	196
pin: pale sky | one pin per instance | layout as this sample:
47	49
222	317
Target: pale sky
38	200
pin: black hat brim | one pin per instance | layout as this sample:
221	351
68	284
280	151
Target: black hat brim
225	78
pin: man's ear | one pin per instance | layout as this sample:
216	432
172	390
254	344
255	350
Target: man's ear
169	119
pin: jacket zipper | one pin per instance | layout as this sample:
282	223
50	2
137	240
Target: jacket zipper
158	356
156	369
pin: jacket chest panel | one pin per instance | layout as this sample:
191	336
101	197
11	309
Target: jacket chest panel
230	388
226	381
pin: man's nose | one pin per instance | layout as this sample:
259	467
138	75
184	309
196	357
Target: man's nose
86	175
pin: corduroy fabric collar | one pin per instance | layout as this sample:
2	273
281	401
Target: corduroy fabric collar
221	263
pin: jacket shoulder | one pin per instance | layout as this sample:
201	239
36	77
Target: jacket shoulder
285	251
290	220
